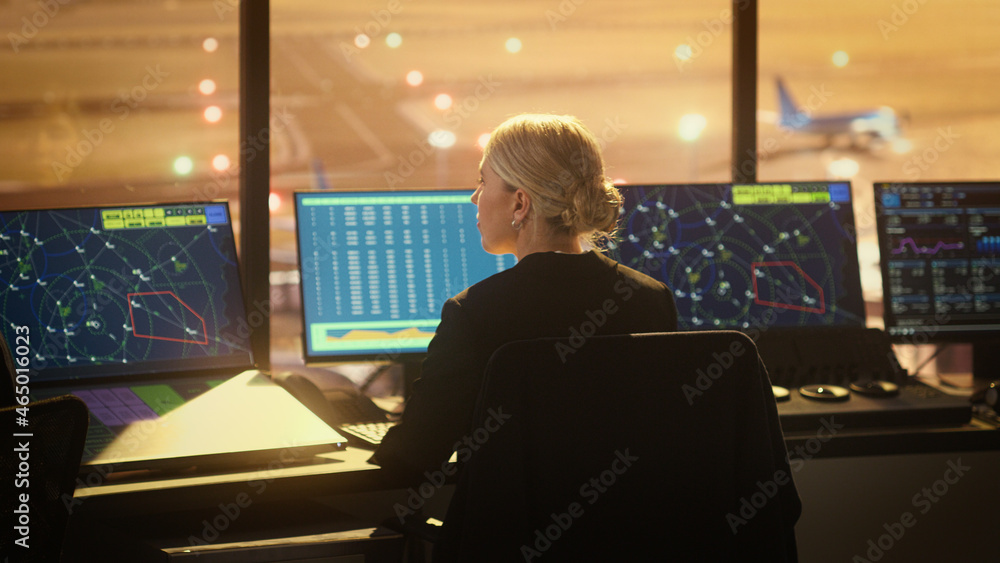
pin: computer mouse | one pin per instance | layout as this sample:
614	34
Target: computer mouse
822	392
780	393
306	391
875	388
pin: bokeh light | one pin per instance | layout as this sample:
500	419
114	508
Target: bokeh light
900	145
207	86
361	41
513	45
442	101
393	40
183	165
840	59
441	139
210	45
482	140
843	168
683	52
213	114
691	126
221	162
414	78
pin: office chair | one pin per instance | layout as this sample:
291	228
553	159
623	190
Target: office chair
619	448
42	466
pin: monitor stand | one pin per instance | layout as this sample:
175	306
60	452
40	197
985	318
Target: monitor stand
986	360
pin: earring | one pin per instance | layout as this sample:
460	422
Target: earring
515	225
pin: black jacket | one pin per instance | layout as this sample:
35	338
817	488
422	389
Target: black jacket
545	294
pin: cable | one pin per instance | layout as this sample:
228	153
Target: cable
373	376
938	349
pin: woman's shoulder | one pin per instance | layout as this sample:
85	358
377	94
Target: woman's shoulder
634	277
486	289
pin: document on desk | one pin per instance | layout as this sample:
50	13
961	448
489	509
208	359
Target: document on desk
247	419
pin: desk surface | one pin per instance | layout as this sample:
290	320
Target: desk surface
337	472
348	471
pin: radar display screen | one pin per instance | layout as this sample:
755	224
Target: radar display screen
102	292
742	256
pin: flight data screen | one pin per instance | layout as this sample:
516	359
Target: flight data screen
122	291
376	268
940	243
747	256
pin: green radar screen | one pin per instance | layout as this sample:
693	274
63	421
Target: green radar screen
742	256
105	290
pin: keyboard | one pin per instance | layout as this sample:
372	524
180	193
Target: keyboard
369	433
828	355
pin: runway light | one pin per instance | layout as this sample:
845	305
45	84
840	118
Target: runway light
207	86
414	78
393	40
691	126
210	45
183	165
683	52
441	139
442	101
273	202
213	114
843	168
513	45
840	59
361	41
483	139
221	162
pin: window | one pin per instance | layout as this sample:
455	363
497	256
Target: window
392	94
118	102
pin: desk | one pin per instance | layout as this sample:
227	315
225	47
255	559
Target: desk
874	472
859	485
146	513
345	471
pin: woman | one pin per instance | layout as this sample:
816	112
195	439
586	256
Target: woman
542	196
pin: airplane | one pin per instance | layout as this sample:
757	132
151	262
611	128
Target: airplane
875	125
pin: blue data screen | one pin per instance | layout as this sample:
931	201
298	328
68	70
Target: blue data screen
376	267
940	248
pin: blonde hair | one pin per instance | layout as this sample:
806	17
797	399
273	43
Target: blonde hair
557	161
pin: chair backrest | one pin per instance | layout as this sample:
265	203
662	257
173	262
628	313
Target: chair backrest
48	460
619	447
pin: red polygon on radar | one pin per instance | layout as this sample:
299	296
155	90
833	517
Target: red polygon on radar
805	277
183	334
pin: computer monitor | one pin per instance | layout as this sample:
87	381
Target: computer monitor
103	292
377	266
747	256
939	244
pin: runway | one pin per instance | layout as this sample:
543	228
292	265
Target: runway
100	98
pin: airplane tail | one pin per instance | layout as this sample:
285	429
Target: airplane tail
791	115
319	175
